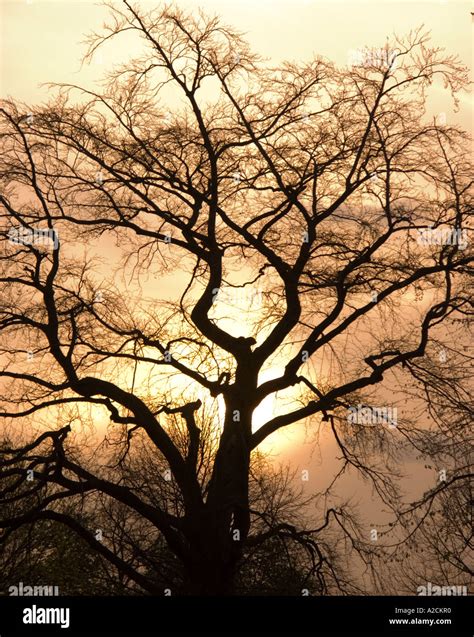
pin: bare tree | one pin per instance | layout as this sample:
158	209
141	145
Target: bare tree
281	556
322	186
438	527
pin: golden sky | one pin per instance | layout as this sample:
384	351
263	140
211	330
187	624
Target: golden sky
40	41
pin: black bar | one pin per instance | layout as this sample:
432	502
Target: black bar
311	615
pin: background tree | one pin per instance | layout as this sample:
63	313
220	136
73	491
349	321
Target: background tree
308	180
282	557
438	527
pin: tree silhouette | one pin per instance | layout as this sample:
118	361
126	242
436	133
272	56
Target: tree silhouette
326	188
280	559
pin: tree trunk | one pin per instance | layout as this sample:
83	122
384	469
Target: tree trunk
211	574
217	538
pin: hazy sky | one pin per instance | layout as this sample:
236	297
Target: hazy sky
41	42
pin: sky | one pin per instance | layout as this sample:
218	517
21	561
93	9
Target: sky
40	41
43	41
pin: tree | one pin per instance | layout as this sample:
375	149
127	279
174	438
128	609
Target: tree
438	526
281	557
323	186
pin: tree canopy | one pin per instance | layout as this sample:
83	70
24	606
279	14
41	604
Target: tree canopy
324	196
